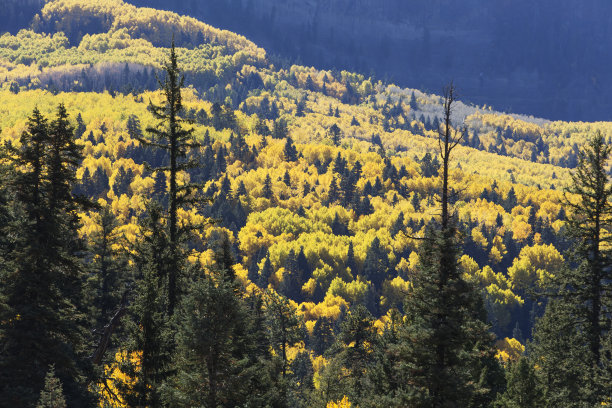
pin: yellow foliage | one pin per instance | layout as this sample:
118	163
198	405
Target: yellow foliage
330	307
535	265
509	350
344	403
109	395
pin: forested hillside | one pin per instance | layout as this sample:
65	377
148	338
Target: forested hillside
544	58
302	216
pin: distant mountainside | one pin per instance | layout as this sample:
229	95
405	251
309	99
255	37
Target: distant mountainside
546	58
324	182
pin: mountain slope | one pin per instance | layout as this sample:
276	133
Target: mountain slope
363	178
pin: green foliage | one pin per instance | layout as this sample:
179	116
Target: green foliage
324	212
51	396
42	321
149	331
523	389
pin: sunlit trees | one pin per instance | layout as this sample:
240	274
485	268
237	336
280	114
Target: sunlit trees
42	321
445	341
578	311
172	136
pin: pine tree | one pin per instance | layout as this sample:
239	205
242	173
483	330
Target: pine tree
445	343
287	178
413	103
171	136
284	325
149	332
211	349
42	321
333	193
584	293
398	225
52	395
81	128
353	353
350	259
280	129
590	286
265	273
376	264
564	368
523	389
335	133
267	188
290	151
511	200
134	128
322	335
108	277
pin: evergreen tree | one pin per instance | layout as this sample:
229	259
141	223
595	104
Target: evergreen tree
511	200
350	259
52	395
147	350
41	321
413	103
80	128
352	353
122	181
284	326
335	133
265	273
290	151
523	389
171	136
584	293
322	335
564	368
338	226
160	188
333	192
376	264
287	178
212	364
267	188
589	287
280	129
134	128
398	225
445	343
108	268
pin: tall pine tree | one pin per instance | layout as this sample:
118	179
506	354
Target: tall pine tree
41	321
171	135
445	343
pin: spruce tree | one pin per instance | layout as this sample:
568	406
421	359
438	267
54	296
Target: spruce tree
563	361
589	287
352	355
445	342
267	188
376	264
583	294
210	349
523	389
52	395
290	151
335	133
172	136
42	323
265	273
284	326
108	270
147	360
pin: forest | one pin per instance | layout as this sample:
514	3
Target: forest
187	221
